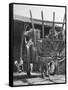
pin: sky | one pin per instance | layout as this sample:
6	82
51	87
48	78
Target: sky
23	10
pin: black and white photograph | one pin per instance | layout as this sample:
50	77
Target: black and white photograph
38	45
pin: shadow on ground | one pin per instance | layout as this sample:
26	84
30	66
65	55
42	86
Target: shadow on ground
24	77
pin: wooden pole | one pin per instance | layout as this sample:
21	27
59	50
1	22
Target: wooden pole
21	46
42	25
62	30
53	22
22	38
33	27
36	55
63	22
56	60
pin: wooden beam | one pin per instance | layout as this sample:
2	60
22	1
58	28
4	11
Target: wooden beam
46	21
42	24
36	20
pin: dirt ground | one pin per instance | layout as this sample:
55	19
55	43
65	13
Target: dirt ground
22	79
